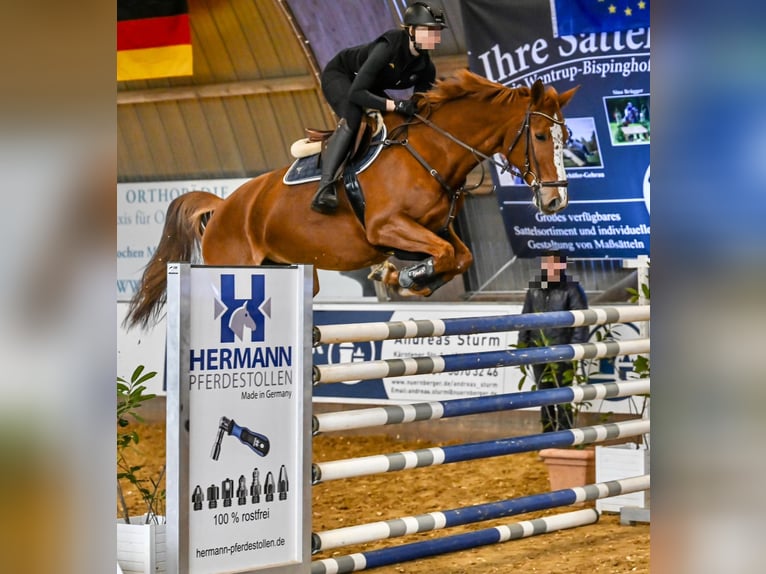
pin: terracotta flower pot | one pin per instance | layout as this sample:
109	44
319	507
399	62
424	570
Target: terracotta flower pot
568	467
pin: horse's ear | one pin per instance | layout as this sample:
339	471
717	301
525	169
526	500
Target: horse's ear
566	96
538	92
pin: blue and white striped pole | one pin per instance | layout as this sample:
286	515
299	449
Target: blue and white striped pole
454	543
395	414
370	532
446	363
382	331
376	464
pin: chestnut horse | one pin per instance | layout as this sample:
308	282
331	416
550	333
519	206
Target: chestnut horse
412	193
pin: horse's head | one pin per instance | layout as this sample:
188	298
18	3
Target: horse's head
523	124
541	140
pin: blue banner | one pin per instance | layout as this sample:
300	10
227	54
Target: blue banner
471	382
588	16
607	156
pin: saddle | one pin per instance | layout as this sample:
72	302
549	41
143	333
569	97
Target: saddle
307	151
370	126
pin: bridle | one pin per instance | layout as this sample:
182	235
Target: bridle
529	158
529	152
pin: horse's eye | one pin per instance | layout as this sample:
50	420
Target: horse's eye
540	137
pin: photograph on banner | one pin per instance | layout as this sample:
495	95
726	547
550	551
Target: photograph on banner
582	150
628	119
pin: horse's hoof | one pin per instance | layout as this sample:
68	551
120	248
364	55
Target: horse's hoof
376	273
382	272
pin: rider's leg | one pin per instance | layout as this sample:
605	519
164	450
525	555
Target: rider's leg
333	158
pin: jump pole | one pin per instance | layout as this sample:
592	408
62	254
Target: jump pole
363	533
383	331
454	543
395	414
446	363
376	464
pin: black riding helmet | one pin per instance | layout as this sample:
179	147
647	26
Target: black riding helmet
421	14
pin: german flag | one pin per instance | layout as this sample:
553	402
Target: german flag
153	39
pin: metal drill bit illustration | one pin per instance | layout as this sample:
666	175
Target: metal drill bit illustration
255	487
242	490
227	491
282	483
226	426
268	487
198	498
212	496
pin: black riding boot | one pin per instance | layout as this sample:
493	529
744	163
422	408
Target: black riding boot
333	157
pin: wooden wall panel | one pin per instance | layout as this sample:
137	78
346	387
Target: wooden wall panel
179	141
228	160
203	143
253	91
134	139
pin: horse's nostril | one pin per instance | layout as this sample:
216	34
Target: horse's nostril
554	204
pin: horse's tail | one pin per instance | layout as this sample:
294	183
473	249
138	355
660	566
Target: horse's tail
180	242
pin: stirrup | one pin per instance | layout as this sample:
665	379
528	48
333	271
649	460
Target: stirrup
325	200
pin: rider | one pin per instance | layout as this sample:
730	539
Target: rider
356	78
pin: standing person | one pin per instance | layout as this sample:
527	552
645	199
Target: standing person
356	78
554	291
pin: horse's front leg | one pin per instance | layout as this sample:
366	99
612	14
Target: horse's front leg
463	256
417	279
407	235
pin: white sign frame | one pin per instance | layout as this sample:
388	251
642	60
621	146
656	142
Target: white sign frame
268	395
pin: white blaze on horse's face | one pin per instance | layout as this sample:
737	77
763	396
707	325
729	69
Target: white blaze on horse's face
557	135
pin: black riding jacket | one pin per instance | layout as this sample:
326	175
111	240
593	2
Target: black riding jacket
384	64
562	296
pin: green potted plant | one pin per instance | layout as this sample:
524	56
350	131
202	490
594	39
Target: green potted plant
140	539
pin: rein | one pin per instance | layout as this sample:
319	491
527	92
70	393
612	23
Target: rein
454	194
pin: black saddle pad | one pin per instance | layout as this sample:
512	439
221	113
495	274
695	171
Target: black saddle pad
307	168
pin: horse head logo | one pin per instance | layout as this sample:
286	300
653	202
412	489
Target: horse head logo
240	319
237	314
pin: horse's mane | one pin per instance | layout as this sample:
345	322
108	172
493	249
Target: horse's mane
467	84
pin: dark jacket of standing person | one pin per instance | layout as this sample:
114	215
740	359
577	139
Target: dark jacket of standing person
559	294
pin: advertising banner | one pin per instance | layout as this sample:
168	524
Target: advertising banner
141	210
238	390
414	388
514	42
